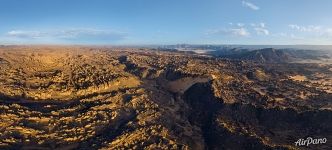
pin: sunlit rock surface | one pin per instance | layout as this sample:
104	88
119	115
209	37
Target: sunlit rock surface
54	97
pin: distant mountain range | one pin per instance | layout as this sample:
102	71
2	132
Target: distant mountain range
259	53
271	55
251	47
264	55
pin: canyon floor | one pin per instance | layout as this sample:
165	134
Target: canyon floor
61	97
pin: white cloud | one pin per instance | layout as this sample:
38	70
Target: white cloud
24	34
260	28
310	28
262	31
238	32
329	32
240	24
67	34
290	36
312	31
250	5
242	29
242	32
294	26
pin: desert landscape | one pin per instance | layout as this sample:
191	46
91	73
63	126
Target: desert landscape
85	97
165	75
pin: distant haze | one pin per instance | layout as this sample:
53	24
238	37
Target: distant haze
207	46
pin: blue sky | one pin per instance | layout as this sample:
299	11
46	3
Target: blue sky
121	22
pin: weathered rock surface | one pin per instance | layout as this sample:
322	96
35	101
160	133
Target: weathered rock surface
111	98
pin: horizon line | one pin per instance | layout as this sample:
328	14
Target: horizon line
64	44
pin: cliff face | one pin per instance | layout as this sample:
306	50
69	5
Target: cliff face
246	126
83	98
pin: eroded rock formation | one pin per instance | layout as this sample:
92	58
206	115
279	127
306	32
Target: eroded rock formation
111	98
